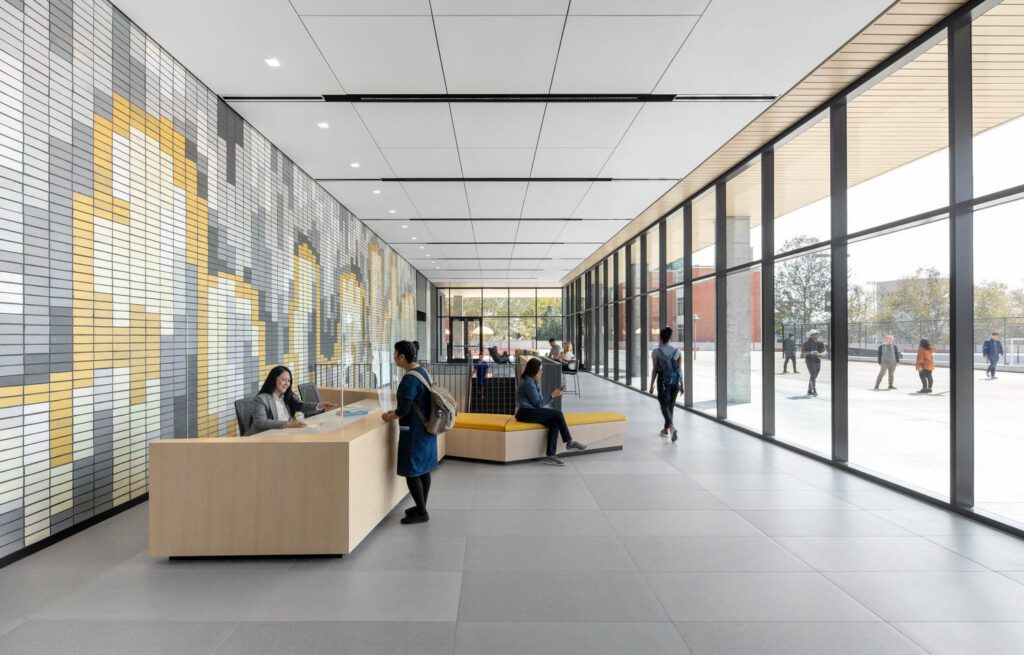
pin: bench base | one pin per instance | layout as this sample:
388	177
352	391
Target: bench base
524	445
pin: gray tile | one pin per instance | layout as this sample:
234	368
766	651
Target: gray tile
803	499
822	523
681	524
238	565
936	596
749	481
721	461
568	639
876	554
711	554
539	522
7	626
1000	552
537	553
89	548
109	637
528	497
361	596
656	499
342	638
25	589
628	481
931	521
544	596
444	499
396	553
1015	575
443	523
754	597
587	466
141	594
796	638
877	498
133	522
952	638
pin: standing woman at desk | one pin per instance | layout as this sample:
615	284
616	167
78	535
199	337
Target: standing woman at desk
275	405
417	448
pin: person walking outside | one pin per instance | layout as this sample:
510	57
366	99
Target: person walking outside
666	362
925	365
811	351
533	408
888	358
992	350
417	448
789	353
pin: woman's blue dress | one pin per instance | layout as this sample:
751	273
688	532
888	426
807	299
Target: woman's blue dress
417	449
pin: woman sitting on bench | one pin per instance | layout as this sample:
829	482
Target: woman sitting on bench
532	408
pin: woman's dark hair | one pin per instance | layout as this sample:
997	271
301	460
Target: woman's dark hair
666	334
531	370
406	349
270	384
925	344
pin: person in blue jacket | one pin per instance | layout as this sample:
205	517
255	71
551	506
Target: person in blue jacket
992	350
533	408
417	448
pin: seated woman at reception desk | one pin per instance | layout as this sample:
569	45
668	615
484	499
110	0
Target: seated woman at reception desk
276	404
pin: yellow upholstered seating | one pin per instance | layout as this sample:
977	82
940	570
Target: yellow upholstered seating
492	422
506	423
587	418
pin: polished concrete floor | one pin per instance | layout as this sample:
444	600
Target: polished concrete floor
718	543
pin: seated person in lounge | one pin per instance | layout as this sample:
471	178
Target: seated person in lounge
532	408
556	350
568	358
276	404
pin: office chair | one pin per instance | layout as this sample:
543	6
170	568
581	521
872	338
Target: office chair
243	413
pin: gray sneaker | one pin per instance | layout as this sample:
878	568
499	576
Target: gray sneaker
575	445
553	461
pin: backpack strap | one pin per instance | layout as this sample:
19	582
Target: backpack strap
422	378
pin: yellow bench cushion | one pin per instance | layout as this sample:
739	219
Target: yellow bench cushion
492	422
572	418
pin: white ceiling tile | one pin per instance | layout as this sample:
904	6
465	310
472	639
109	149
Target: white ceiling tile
424	162
495	250
496	199
292	127
225	44
499	7
620	199
502	125
494	264
380	54
469	266
498	54
569	162
408	250
451	231
362	7
802	35
568	125
438	199
523	250
523	263
360	199
638	7
540	230
617	54
393	232
553	199
599	231
496	162
671	139
459	250
413	125
495	231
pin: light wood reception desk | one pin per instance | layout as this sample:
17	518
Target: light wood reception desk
317	490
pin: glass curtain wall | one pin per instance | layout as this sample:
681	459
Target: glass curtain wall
513	319
856	278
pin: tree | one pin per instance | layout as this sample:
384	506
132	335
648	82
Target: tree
803	286
991	300
860	304
923	298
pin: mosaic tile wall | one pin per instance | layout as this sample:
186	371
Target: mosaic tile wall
157	256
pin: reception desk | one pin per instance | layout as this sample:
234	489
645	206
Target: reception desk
317	490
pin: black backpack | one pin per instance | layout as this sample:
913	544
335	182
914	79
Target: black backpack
670	376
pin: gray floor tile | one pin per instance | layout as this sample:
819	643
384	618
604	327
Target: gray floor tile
7	626
803	499
711	554
499	482
538	553
340	638
396	553
822	523
361	596
568	639
143	594
931	521
749	481
720	462
26	588
443	523
681	524
754	597
832	480
540	522
111	637
876	554
89	548
656	499
557	596
445	499
239	565
951	638
877	498
936	596
132	522
529	497
796	638
1000	552
1015	575
627	481
587	466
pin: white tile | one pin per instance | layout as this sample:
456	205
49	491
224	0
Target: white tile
424	162
496	199
797	638
569	162
496	162
553	199
412	125
599	125
501	125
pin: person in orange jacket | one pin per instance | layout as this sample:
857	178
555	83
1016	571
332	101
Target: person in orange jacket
925	365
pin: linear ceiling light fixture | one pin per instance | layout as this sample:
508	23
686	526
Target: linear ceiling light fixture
514	98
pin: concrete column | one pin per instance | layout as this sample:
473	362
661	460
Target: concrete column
737	294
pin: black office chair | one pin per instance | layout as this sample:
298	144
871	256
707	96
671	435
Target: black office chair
243	412
310	394
571	370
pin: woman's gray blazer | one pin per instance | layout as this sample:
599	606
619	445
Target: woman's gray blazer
264	414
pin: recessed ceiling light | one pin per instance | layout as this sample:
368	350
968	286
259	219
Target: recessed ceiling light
273	63
376	191
391	211
421	247
404	226
322	125
414	238
428	255
354	164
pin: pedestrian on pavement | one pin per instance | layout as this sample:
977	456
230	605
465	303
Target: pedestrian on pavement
888	359
925	365
811	352
789	353
992	350
666	362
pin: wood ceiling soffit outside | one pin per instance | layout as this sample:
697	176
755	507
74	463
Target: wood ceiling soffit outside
903	22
